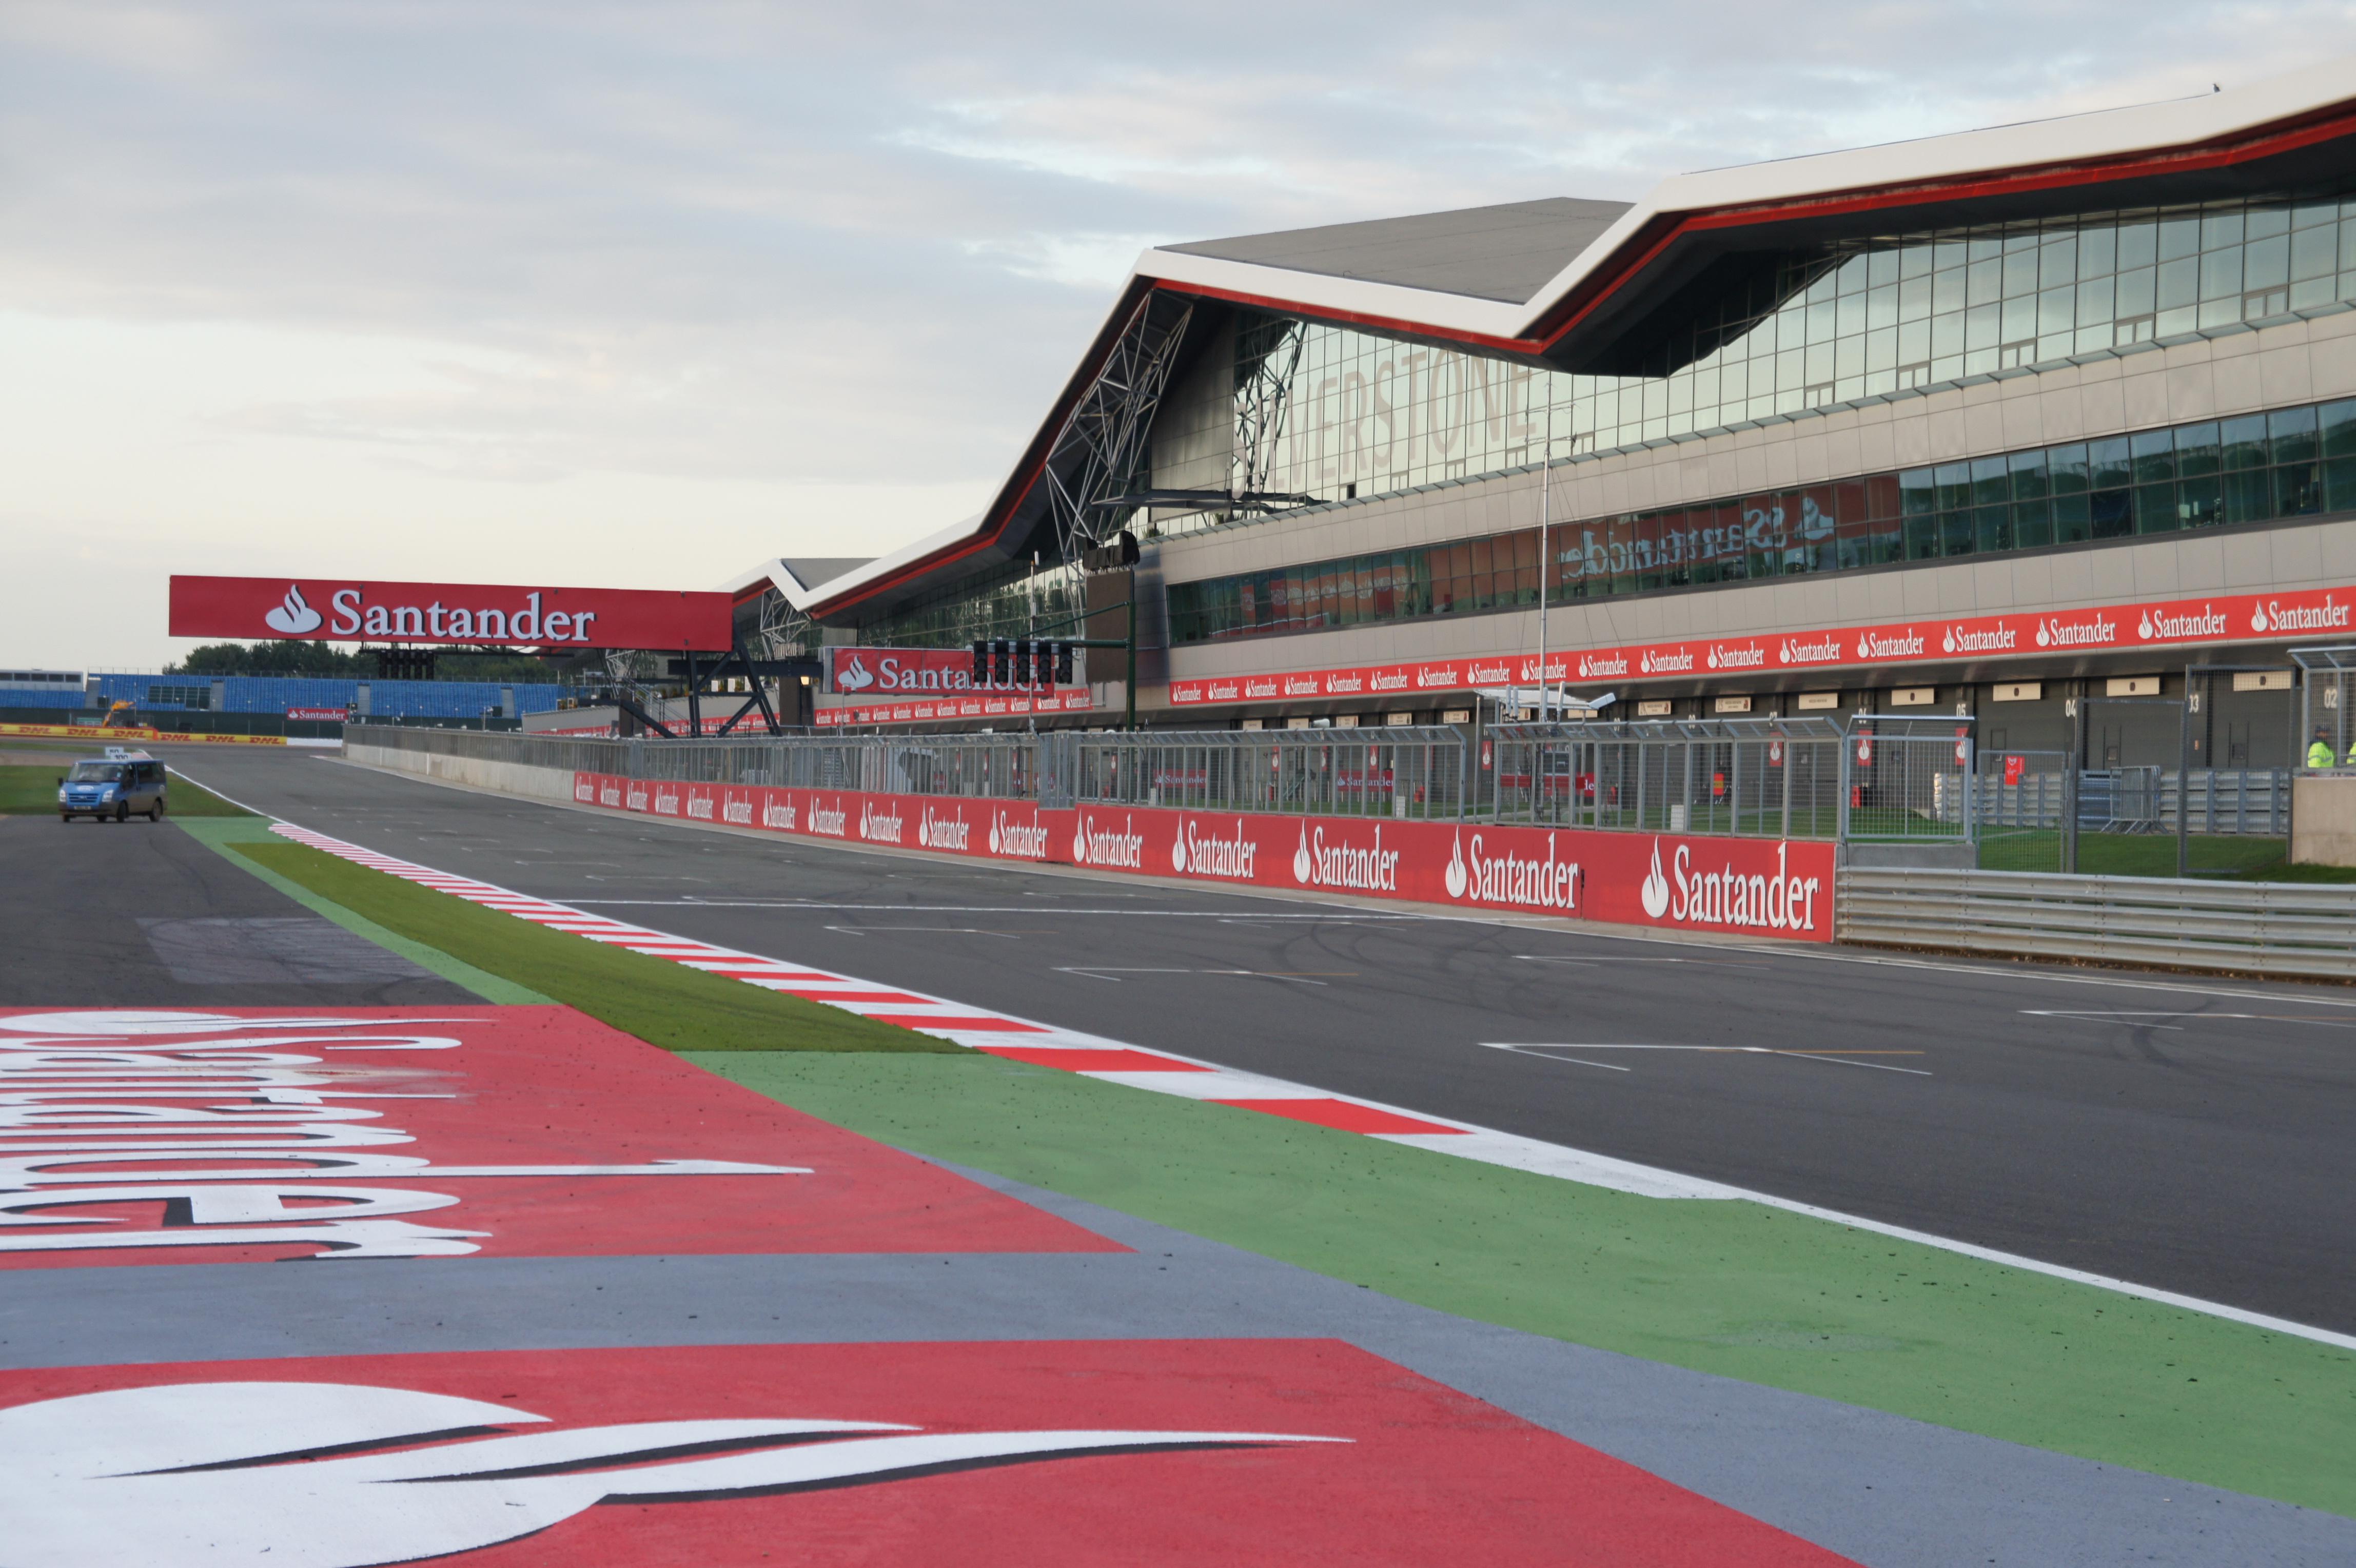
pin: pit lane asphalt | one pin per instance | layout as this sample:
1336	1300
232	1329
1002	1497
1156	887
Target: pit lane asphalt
2180	1132
84	907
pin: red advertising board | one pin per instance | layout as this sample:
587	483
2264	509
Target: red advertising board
319	609
907	672
2173	623
253	1134
1749	886
980	703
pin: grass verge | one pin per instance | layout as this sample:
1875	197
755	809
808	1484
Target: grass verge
222	834
190	798
1726	1287
29	789
663	1002
2232	858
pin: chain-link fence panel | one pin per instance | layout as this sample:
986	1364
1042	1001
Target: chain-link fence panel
1755	778
2022	803
1907	779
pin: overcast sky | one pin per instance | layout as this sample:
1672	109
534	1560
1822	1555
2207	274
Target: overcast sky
647	294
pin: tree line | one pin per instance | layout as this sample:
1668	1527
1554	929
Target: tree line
295	656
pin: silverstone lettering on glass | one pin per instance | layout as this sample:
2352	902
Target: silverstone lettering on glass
2292	462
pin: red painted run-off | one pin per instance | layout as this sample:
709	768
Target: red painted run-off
437	1131
1420	1474
1750	887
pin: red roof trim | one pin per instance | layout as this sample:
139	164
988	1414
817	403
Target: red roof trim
1582	304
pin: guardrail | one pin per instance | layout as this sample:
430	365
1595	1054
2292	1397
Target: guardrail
2248	928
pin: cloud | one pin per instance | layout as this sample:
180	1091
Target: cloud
609	253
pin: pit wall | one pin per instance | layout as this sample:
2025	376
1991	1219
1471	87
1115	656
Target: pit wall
479	772
2323	821
1748	887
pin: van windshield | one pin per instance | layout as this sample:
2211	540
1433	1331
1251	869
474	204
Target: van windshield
98	773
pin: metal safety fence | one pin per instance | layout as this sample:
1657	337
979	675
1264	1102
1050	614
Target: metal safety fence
1405	772
1907	779
1881	780
1765	778
2243	928
2327	706
1410	771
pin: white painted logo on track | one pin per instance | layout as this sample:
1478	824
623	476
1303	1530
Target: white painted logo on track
200	1473
235	1140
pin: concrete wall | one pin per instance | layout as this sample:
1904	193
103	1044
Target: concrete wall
2323	821
507	777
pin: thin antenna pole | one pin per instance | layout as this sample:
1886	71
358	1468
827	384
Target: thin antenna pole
1546	522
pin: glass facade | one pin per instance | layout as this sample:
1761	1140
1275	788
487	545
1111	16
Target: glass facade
1334	412
966	614
2288	463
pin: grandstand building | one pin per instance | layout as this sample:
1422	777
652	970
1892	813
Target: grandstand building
56	696
1973	424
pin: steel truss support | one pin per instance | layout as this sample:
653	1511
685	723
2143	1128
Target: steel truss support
1106	442
1267	353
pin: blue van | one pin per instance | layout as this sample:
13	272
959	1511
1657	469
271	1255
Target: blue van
113	791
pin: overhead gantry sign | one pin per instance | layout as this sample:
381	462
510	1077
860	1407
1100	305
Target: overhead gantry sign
320	609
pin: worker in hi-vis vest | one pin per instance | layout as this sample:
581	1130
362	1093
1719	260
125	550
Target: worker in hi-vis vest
2320	754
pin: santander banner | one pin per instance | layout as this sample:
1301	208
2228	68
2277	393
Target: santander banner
978	702
317	609
1755	888
910	672
2172	623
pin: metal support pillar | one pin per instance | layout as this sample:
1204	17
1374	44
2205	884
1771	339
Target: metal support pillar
1789	760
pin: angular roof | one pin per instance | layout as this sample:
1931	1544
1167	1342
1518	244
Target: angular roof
1594	304
1506	253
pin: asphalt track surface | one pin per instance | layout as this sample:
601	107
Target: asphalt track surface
2182	1133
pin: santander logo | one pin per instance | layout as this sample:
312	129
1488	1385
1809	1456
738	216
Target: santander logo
1017	840
1123	850
1692	894
852	674
1655	893
294	615
1196	853
1361	868
942	832
183	1473
1524	881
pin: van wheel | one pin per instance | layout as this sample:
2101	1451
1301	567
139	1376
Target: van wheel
122	811
155	812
